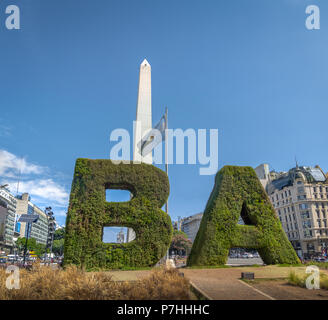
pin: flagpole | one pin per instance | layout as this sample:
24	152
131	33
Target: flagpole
166	168
166	154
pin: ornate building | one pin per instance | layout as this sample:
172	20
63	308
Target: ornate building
300	199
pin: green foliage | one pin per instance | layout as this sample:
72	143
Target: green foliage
32	245
89	213
177	232
59	234
180	243
238	191
58	246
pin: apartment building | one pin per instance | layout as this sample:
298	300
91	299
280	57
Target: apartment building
190	225
300	199
38	230
7	219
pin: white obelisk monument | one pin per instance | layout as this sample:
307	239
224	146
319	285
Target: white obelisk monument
144	119
143	122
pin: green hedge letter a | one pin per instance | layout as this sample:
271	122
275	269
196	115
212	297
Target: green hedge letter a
238	192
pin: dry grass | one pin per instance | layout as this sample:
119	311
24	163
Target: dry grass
300	280
44	283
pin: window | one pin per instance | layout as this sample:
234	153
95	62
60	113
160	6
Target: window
307	224
303	206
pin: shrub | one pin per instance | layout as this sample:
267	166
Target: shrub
300	281
44	283
238	192
89	213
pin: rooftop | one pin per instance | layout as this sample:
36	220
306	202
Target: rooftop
306	174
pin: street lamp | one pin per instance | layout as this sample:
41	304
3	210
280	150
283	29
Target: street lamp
51	230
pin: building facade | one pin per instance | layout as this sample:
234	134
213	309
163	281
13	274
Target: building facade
300	199
39	230
190	225
7	220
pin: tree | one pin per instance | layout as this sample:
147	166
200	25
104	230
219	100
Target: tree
32	245
59	234
58	246
180	243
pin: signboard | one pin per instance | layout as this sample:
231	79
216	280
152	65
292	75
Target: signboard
29	218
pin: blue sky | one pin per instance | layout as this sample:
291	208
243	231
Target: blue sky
248	68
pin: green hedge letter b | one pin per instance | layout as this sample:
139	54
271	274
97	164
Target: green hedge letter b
89	213
238	192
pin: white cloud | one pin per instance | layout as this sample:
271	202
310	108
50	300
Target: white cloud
37	181
60	213
11	165
44	191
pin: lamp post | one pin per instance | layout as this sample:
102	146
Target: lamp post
50	236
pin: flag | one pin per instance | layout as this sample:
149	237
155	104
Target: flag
153	138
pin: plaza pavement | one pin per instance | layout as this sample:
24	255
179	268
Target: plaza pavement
225	283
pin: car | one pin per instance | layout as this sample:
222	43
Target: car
320	259
3	259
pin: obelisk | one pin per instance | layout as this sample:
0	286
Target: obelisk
144	118
143	121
